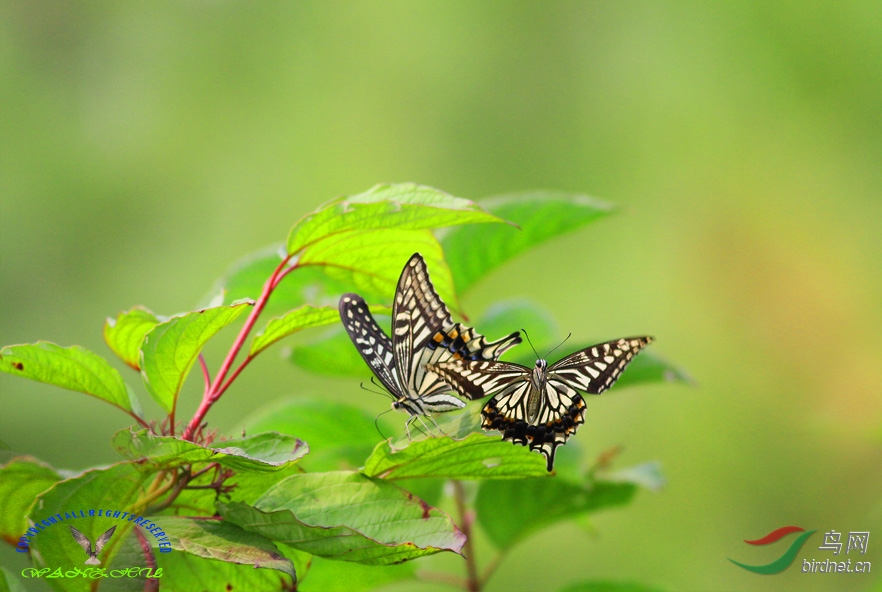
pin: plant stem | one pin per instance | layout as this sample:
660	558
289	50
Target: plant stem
466	517
214	390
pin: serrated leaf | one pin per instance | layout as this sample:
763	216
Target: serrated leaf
608	586
126	332
538	503
74	368
403	206
170	349
298	319
346	516
541	215
339	435
222	541
21	480
475	457
258	453
183	572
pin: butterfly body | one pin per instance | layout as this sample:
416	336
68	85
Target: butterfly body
423	332
540	407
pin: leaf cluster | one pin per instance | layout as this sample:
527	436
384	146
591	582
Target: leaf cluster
310	497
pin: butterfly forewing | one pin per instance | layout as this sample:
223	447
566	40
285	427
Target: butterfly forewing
595	369
371	342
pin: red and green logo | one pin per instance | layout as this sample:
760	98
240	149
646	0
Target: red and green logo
784	561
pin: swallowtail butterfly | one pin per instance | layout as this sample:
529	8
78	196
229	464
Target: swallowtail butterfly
540	407
423	332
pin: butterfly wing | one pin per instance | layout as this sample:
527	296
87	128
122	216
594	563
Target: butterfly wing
371	342
595	369
424	333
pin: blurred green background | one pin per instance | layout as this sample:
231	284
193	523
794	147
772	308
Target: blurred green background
146	146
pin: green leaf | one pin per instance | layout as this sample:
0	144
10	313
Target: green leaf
538	503
298	319
170	349
608	586
369	262
21	480
345	576
214	539
126	332
73	368
340	436
185	572
393	206
542	215
258	453
346	516
332	354
475	457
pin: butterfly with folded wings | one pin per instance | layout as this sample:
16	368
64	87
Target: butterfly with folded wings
540	407
423	332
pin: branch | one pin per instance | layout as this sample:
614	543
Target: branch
466	517
219	385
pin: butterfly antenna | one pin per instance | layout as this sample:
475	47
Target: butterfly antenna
527	335
558	345
380	390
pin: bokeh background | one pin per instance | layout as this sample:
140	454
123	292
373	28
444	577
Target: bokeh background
147	146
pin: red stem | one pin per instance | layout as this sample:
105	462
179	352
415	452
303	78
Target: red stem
214	390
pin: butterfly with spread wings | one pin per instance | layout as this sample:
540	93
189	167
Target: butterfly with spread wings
83	541
423	332
540	407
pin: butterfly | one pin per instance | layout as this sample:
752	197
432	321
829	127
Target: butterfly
540	407
83	541
423	332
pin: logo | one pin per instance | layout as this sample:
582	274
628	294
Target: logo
857	541
92	569
784	561
83	541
